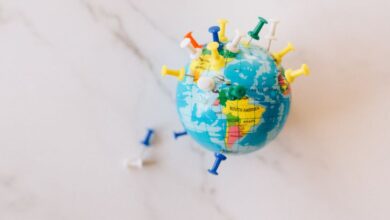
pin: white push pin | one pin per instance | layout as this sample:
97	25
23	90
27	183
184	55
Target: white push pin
194	53
233	46
206	84
142	160
136	163
272	33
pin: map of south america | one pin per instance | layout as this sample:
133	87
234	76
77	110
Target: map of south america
241	117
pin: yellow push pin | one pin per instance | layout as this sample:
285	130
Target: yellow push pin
279	56
222	33
179	74
292	74
217	60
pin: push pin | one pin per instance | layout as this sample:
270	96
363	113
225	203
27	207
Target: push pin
148	138
214	31
272	33
222	34
291	75
194	53
142	160
217	60
221	79
236	92
139	161
206	84
193	41
218	159
179	74
176	135
136	163
278	56
233	46
254	34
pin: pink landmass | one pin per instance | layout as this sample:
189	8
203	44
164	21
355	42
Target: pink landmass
233	135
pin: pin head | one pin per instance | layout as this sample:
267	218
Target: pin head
237	92
192	39
179	74
136	163
272	33
222	25
214	29
272	30
279	55
222	21
305	69
233	46
290	47
291	75
194	52
206	84
217	61
188	35
185	42
218	159
255	32
220	156
262	21
176	135
164	70
147	140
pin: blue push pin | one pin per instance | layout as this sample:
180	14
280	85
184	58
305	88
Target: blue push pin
214	31
176	135
148	138
218	159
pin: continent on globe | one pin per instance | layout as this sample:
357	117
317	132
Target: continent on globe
234	96
241	117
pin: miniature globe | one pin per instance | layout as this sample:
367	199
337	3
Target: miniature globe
238	106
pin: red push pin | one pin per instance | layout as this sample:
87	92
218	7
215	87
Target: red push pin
193	41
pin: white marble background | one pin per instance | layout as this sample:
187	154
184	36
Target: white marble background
79	83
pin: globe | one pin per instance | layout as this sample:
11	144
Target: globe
247	106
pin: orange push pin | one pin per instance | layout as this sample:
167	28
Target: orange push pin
179	74
194	52
193	41
279	55
292	74
217	60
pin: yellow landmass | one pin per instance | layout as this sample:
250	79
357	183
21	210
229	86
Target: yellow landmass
248	115
204	63
201	64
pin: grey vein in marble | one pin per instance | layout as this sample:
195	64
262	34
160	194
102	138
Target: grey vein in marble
122	36
151	22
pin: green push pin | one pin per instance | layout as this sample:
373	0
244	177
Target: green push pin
236	92
254	34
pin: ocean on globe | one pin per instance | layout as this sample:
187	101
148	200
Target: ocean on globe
248	106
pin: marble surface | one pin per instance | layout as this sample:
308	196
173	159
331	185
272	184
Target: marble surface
79	83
